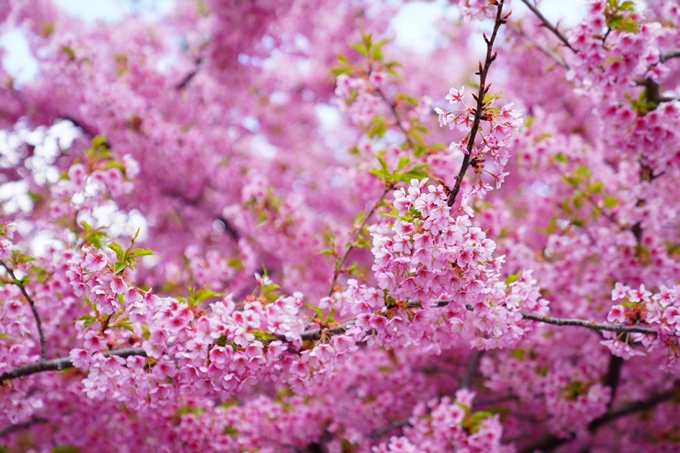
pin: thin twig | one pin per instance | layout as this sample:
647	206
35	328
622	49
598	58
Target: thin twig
341	261
549	52
548	25
386	429
479	109
393	107
21	426
41	335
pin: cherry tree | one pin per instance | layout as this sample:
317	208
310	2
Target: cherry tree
262	226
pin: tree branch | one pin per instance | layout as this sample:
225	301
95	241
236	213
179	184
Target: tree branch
636	406
613	376
599	326
340	261
316	334
470	368
550	442
393	107
549	52
548	25
61	364
41	335
665	56
386	429
479	109
21	426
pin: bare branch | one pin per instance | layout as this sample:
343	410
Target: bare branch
470	368
665	56
41	335
393	107
613	376
547	51
548	25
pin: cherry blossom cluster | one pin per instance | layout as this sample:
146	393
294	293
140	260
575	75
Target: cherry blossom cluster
437	277
502	124
660	311
314	288
478	9
441	425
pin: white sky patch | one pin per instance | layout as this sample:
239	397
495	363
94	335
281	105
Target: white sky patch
415	25
91	11
328	115
17	60
262	148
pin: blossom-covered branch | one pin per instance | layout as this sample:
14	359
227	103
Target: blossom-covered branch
38	324
480	99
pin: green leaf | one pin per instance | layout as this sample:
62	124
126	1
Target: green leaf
195	296
610	201
559	157
476	419
142	252
263	335
119	267
89	320
120	253
236	263
596	187
511	278
66	449
360	48
317	310
552	225
627	6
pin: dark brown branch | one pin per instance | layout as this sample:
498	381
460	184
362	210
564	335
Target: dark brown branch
546	444
549	26
183	84
479	109
386	429
636	406
599	326
229	228
470	368
41	335
21	426
61	364
665	56
317	333
550	442
611	379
